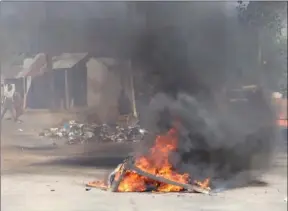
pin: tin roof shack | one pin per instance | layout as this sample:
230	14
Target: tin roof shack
37	88
70	80
18	69
107	78
61	88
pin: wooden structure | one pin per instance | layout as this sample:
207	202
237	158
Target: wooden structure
44	28
63	81
70	69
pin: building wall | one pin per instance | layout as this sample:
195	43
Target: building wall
103	88
40	94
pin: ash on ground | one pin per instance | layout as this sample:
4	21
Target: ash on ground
76	132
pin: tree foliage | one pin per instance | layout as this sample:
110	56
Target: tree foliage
264	15
269	19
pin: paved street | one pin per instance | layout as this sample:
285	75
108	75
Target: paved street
36	177
61	193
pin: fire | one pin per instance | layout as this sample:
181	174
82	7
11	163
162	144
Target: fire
203	184
156	162
98	184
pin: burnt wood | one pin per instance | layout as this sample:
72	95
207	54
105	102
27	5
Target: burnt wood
188	187
115	184
129	165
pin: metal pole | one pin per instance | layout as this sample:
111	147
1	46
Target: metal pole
67	90
132	91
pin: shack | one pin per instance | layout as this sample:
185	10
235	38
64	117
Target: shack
62	87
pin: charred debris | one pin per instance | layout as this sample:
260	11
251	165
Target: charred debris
74	132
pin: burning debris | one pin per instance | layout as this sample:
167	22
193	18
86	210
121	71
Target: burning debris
80	133
152	172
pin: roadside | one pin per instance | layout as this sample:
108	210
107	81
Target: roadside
24	151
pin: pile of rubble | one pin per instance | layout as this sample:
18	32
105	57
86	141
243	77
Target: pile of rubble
75	132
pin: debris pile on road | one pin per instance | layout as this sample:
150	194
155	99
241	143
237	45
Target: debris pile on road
153	172
76	132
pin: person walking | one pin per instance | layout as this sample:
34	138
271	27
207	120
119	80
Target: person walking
8	101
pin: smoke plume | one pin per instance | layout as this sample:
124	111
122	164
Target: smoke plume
185	52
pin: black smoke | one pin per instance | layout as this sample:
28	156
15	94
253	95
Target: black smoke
231	142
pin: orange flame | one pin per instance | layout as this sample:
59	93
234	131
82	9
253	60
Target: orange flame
156	162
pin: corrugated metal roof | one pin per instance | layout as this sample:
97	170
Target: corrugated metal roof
35	66
64	61
67	60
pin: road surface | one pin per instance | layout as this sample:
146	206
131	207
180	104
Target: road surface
39	176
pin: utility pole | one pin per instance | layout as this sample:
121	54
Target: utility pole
131	24
134	110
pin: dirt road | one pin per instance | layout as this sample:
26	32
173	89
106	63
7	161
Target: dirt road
37	175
